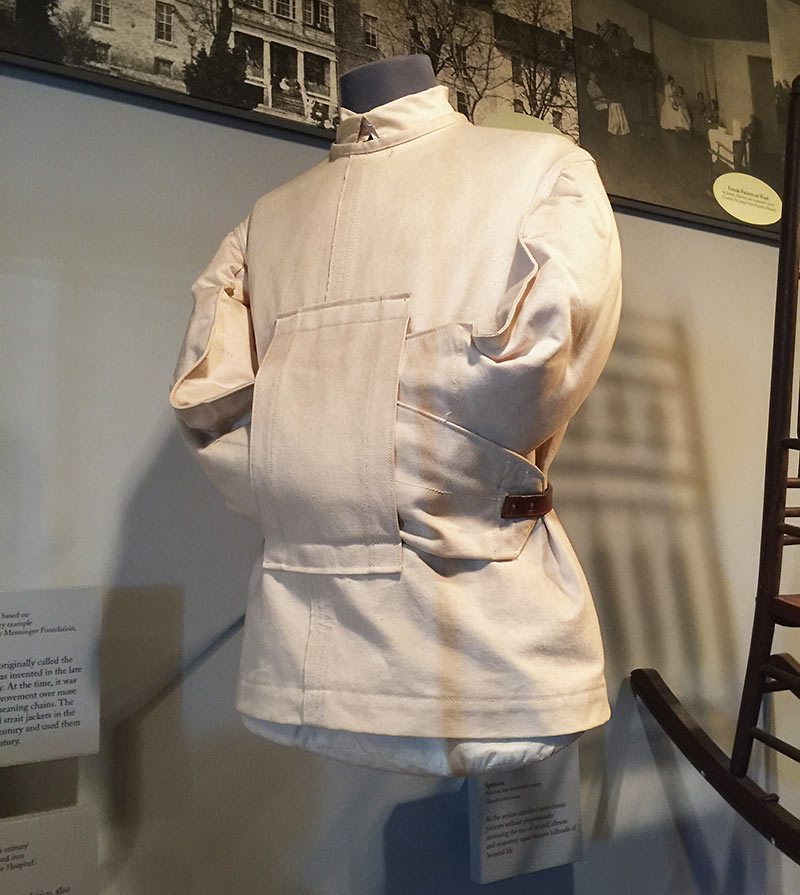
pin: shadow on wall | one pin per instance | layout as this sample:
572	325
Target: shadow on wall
43	786
633	491
660	828
180	579
188	799
426	850
208	810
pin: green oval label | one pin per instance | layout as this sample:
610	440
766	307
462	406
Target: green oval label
747	198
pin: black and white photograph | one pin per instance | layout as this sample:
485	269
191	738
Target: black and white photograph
283	58
675	93
278	57
784	38
668	95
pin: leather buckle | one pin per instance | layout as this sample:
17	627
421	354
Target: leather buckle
527	506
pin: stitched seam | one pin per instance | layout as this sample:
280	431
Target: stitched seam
347	247
332	271
320	572
442	698
426	487
441	491
344	303
323	653
365	489
475	699
391	447
304	689
312	329
469	434
271	457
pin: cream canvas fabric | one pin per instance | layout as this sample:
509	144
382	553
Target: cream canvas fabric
384	349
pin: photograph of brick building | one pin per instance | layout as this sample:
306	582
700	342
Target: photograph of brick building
284	57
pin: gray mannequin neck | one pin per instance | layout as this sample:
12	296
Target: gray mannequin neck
382	81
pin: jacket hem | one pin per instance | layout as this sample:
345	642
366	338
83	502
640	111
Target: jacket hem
430	716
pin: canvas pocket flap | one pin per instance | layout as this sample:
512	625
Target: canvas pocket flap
451	484
322	438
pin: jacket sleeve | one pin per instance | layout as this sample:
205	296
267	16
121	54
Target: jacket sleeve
481	412
518	383
560	327
212	389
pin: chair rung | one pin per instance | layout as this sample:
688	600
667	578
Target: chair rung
793	443
791	530
793	483
792	512
790	540
786	662
787	680
786	609
776	743
755	805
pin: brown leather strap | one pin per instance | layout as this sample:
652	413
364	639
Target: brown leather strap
527	506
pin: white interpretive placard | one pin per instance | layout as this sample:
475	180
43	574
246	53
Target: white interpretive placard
49	674
49	854
525	820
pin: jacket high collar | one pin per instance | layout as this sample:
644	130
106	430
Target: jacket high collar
395	122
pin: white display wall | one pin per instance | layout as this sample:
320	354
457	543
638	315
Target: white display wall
110	207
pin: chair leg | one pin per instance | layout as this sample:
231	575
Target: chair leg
752	690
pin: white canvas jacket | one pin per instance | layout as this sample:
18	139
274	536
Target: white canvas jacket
388	346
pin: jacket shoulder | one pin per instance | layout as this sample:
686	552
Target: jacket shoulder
285	196
525	148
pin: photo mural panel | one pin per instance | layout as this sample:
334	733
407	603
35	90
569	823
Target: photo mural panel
675	94
282	59
682	102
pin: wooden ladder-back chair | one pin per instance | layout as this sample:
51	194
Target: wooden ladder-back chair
765	673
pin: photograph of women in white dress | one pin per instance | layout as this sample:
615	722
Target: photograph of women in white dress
666	105
617	120
651	58
674	113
